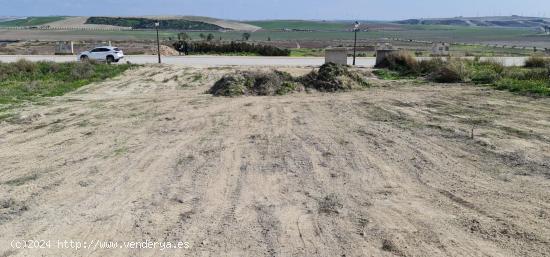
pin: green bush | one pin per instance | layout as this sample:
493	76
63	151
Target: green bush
189	47
387	74
538	87
484	76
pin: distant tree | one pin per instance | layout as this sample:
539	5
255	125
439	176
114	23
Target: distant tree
246	36
182	36
202	36
210	37
268	38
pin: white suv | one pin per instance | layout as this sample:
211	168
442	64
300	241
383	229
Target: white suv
102	53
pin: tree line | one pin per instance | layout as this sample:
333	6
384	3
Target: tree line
144	23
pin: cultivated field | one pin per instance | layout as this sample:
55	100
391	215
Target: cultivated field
391	170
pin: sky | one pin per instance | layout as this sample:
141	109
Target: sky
280	9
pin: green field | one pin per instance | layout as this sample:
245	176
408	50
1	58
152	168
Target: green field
301	25
31	21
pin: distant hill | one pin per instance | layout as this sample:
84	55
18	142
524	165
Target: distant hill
138	22
500	21
147	23
28	21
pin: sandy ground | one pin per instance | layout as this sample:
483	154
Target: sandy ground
388	171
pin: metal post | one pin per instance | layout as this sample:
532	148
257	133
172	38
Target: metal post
355	29
354	47
157	25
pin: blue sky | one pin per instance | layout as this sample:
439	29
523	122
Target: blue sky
280	9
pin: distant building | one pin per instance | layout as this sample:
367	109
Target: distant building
440	49
64	48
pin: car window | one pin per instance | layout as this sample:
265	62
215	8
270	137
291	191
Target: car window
104	50
96	50
116	49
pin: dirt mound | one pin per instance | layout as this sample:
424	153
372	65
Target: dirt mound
333	77
167	51
255	83
330	78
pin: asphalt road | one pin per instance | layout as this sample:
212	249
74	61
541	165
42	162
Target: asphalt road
228	60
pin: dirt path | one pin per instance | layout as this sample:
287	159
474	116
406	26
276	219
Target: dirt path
389	171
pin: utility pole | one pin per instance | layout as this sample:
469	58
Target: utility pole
157	25
355	29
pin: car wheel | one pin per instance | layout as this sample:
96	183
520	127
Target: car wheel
84	58
110	59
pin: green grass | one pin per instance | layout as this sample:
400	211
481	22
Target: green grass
388	74
530	87
31	21
303	52
302	25
420	32
28	81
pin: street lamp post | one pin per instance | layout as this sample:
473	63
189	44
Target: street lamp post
157	25
355	29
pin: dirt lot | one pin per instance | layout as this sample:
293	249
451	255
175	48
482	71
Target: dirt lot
389	171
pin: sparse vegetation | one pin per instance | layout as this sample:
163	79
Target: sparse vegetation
533	79
25	80
330	204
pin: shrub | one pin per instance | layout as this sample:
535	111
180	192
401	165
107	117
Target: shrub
229	48
402	62
453	71
495	65
25	66
539	87
431	65
484	72
526	74
484	76
536	61
82	70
